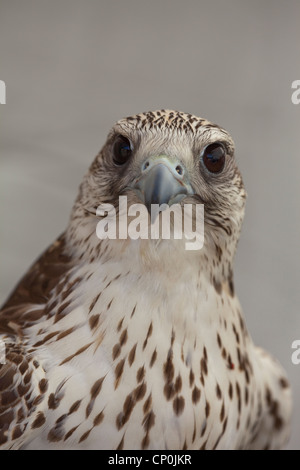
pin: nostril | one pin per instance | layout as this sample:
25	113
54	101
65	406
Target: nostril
146	165
179	169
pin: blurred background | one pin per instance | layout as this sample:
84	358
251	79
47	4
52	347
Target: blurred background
74	67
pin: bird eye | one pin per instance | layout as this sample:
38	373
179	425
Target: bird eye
213	157
122	150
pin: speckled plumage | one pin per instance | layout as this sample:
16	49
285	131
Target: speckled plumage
140	344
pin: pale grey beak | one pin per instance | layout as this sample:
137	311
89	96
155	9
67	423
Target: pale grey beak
163	180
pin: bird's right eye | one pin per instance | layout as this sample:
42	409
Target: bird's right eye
122	150
213	157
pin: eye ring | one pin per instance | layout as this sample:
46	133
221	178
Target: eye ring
213	157
122	150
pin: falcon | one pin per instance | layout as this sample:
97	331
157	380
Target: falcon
139	343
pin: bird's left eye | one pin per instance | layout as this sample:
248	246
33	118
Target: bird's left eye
213	157
122	150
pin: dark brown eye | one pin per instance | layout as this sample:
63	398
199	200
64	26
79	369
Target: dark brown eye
214	157
121	150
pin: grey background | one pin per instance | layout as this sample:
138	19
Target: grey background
74	67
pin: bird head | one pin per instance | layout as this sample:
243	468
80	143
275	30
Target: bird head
164	158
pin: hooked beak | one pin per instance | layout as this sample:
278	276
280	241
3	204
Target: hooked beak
163	180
